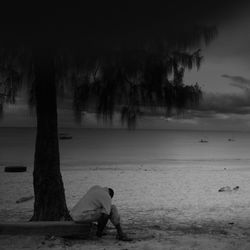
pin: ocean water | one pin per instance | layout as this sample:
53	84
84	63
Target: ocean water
91	147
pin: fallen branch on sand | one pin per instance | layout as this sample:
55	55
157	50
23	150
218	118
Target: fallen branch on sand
24	199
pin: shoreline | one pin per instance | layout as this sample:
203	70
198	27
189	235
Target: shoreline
137	129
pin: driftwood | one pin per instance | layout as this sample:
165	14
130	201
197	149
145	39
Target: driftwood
228	189
24	199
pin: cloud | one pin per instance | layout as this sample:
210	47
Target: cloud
219	105
239	82
238	79
225	103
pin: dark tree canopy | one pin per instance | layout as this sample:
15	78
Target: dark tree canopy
128	80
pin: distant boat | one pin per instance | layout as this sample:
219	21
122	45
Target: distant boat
63	136
202	141
230	139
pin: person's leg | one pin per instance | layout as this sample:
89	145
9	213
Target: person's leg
101	224
88	216
116	221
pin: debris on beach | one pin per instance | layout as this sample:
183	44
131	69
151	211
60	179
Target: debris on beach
228	189
24	199
225	189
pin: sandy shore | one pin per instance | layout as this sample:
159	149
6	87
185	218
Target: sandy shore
144	239
174	207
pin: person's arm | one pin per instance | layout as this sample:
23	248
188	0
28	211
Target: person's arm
106	203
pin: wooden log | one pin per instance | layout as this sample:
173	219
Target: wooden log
15	169
55	228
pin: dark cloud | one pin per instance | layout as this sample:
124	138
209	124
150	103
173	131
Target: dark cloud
239	82
238	79
226	103
213	104
218	104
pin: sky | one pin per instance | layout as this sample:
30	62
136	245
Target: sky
224	75
227	56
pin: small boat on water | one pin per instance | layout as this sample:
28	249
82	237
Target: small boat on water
63	136
203	141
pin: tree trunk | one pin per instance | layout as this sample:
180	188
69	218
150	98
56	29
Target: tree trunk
50	203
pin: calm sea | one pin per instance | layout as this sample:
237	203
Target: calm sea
92	147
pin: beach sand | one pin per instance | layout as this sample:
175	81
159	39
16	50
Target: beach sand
162	207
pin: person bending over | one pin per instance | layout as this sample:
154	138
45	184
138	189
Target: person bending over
96	205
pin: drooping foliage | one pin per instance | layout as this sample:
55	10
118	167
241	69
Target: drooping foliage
134	81
10	77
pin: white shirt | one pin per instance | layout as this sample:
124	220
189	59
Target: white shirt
96	198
